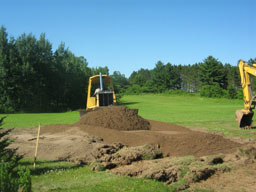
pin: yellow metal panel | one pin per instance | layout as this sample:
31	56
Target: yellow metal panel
91	101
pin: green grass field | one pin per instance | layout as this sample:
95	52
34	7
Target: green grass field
191	111
30	120
213	114
64	176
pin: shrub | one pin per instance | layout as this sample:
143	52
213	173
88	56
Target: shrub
134	89
231	92
118	97
12	177
239	94
12	181
179	92
24	180
7	179
6	106
212	91
7	154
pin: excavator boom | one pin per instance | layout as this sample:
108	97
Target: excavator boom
244	116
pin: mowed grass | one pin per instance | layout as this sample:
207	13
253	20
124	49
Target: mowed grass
213	114
30	120
64	176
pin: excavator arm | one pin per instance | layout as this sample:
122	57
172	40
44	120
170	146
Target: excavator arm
244	116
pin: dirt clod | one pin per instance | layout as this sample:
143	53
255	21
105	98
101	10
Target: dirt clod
128	155
212	160
249	151
202	174
160	169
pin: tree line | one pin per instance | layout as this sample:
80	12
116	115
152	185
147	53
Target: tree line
210	78
36	78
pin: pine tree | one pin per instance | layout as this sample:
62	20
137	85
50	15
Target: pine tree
12	177
4	99
212	72
7	154
159	77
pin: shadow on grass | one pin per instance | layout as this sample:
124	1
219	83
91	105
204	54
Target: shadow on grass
39	162
49	168
127	103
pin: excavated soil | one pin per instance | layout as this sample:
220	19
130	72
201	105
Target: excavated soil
115	117
231	172
173	140
124	143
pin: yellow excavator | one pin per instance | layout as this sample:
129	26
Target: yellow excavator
244	116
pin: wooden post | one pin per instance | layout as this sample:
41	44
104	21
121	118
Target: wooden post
37	141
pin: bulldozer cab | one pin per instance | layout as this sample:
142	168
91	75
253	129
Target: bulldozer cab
100	92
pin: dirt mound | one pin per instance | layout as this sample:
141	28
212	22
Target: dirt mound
115	117
173	140
130	152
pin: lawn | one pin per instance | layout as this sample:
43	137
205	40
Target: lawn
213	114
64	176
67	177
30	120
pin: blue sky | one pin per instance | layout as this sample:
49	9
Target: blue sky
127	35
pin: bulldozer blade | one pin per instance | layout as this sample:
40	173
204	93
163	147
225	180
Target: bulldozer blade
82	113
244	118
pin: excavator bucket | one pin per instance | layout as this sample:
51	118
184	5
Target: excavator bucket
244	118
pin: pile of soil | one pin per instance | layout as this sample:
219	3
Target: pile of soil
75	144
172	140
117	139
115	117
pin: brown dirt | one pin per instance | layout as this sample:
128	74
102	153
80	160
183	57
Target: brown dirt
160	169
115	117
240	178
72	144
129	150
173	140
241	175
232	172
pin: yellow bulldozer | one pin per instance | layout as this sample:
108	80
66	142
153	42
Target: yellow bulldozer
100	92
244	116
